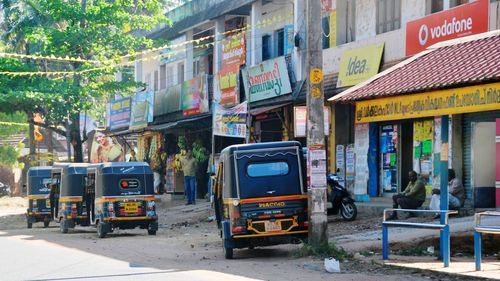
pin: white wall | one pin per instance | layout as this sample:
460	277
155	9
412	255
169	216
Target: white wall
365	19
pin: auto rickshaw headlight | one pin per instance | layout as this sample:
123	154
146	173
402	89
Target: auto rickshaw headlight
35	203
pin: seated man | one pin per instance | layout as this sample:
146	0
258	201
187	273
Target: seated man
456	193
412	197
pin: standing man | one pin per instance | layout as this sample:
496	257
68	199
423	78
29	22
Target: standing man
189	169
412	197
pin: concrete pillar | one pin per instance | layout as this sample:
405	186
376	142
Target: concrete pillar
256	34
188	68
219	29
299	28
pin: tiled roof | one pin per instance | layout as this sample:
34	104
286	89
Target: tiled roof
456	63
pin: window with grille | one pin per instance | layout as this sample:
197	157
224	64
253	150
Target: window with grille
388	15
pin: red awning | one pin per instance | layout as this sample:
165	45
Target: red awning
455	63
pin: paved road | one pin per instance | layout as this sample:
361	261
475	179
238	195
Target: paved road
41	260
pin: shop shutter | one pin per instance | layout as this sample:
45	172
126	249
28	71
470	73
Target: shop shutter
468	119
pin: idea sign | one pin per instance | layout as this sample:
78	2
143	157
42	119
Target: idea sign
464	20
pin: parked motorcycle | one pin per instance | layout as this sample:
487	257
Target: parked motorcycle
340	199
4	189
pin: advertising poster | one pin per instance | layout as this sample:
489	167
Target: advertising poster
142	110
361	146
317	167
120	114
168	100
195	96
228	85
230	122
340	163
267	80
105	149
333	28
300	121
289	39
233	55
358	65
349	166
461	21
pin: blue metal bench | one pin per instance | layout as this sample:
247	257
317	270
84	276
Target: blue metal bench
479	229
443	227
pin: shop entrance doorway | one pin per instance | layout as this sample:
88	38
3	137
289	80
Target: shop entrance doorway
395	154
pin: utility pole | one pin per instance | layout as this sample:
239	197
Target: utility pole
316	166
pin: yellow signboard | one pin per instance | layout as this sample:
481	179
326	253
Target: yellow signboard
452	101
357	65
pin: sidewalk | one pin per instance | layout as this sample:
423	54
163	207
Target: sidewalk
371	240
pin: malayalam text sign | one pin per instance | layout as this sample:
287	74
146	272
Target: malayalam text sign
464	20
357	65
266	80
453	101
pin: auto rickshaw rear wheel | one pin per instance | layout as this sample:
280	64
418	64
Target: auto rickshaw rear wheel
228	252
101	233
46	223
30	224
151	232
63	225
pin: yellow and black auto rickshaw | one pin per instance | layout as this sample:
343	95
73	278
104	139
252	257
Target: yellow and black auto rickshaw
38	187
69	184
124	197
261	195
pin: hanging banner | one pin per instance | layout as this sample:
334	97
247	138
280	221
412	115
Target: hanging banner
228	85
266	80
195	96
120	114
233	55
464	20
230	122
357	65
442	102
300	121
168	100
234	50
142	110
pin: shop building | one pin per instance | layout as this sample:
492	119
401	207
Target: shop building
399	115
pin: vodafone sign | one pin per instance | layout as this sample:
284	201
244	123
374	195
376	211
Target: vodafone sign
464	20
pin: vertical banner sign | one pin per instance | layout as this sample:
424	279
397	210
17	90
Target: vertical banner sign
230	122
349	162
300	118
120	114
361	146
267	80
464	20
289	39
340	163
333	28
195	96
233	55
497	178
142	110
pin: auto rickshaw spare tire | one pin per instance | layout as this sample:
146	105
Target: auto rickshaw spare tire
30	224
63	225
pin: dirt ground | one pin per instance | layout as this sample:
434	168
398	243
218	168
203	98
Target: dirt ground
187	239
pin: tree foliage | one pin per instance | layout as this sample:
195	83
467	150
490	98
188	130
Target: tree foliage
97	30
